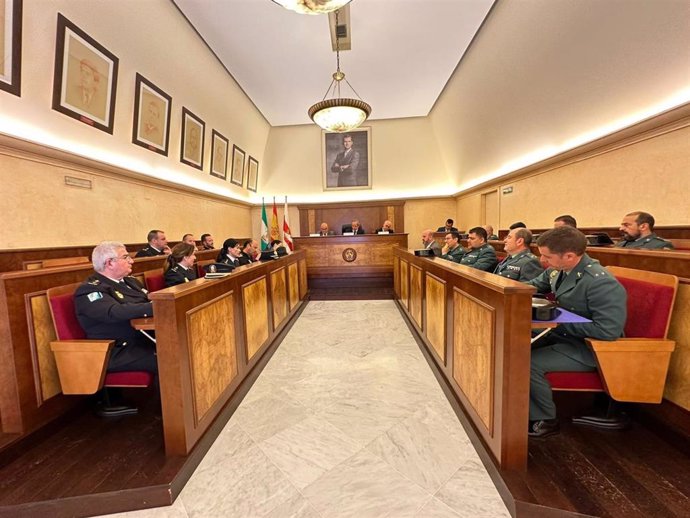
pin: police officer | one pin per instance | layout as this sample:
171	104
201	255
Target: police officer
230	254
637	232
481	255
452	251
179	265
158	245
584	287
520	264
108	300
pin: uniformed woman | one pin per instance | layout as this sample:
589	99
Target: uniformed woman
179	265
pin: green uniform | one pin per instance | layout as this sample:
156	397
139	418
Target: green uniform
454	255
523	266
482	258
650	242
492	237
591	292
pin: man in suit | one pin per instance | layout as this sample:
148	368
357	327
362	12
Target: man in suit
158	245
354	227
430	243
250	251
452	251
108	300
637	230
565	219
386	227
520	264
325	231
448	227
480	255
206	242
346	164
584	287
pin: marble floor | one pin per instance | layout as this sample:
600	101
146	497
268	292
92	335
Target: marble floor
346	419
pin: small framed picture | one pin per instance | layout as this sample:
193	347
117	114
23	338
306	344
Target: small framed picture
252	174
237	176
152	108
219	155
11	46
192	146
85	81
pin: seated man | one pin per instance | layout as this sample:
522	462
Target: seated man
452	251
250	251
480	255
386	227
520	264
490	236
448	227
325	231
566	220
430	243
354	227
107	301
584	287
637	231
230	254
158	245
189	239
278	247
517	224
206	242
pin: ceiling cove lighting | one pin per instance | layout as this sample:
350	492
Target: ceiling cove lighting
312	6
338	113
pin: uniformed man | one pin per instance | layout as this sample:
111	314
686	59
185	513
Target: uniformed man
430	243
480	255
230	254
452	250
250	252
565	219
189	239
108	300
158	245
520	264
584	287
490	233
206	242
637	232
448	227
179	265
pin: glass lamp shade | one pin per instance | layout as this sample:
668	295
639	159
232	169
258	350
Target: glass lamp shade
312	6
339	115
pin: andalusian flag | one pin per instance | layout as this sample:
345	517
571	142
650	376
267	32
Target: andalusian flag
275	229
265	240
287	237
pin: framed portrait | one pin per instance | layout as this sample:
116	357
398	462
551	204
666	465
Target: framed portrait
192	145
237	176
11	46
219	155
346	159
252	174
152	108
85	79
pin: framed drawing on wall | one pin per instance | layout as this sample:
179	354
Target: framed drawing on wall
237	176
192	145
85	80
346	159
152	108
219	155
252	174
11	46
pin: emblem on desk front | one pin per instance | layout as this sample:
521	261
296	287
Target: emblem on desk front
349	255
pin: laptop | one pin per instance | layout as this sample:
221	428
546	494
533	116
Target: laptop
599	239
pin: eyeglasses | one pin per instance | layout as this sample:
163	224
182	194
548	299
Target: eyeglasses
126	257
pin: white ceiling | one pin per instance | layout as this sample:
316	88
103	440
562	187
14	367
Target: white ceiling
403	52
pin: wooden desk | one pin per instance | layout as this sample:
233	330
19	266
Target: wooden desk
143	324
476	327
350	261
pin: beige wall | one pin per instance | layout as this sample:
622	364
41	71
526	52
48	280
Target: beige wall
423	214
405	163
544	76
149	37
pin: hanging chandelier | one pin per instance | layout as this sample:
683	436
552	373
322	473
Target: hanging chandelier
338	113
312	6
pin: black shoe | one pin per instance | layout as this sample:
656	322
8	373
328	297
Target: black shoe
543	428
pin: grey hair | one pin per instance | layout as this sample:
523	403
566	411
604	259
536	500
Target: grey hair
103	252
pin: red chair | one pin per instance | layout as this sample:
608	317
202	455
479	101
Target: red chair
81	363
633	368
154	280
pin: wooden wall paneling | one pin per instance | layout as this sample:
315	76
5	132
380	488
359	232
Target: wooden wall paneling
278	297
370	214
404	283
396	276
436	315
303	287
416	293
293	285
678	381
41	333
212	351
473	358
255	302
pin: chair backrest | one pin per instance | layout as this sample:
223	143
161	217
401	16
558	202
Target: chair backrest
154	280
65	322
346	228
201	272
650	301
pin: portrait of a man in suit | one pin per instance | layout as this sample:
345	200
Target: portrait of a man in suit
347	160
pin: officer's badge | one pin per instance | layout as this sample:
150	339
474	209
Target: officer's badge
119	295
186	280
553	273
93	297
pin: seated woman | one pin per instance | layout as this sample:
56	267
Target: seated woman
179	265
